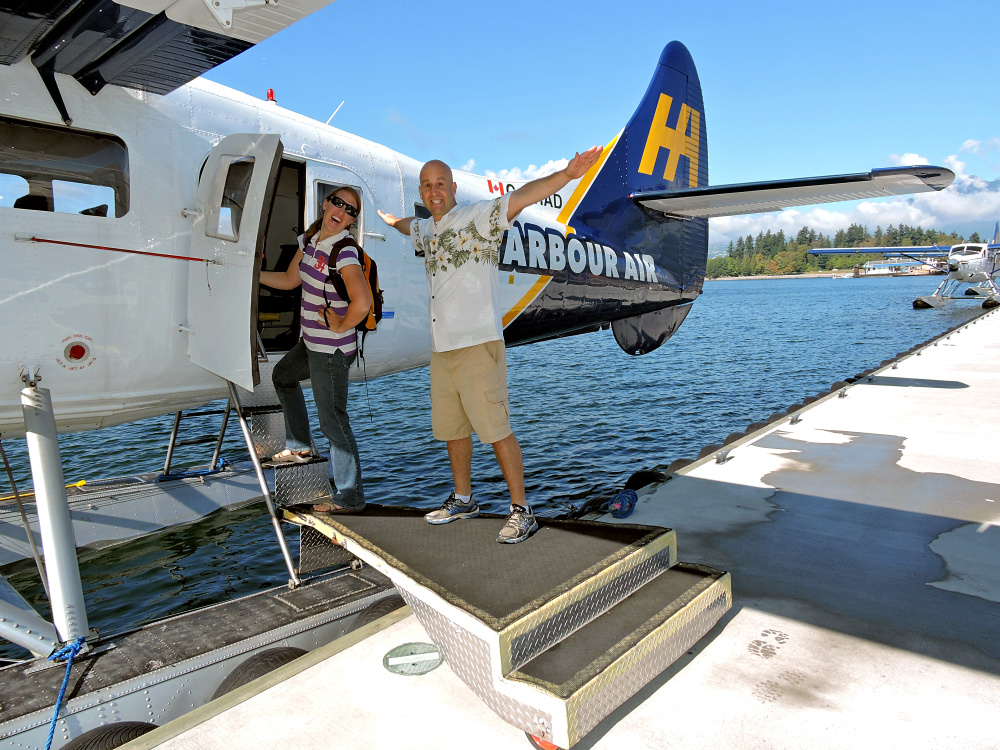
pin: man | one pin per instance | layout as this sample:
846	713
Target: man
461	248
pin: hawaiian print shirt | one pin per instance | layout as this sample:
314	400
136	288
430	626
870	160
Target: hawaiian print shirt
461	253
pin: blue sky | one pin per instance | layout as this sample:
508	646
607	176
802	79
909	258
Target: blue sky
792	89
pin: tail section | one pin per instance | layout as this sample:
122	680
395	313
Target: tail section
620	262
664	145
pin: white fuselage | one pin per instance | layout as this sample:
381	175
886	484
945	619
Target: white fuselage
972	264
109	332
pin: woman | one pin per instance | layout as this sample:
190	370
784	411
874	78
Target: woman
327	348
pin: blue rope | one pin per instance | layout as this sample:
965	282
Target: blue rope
622	504
69	651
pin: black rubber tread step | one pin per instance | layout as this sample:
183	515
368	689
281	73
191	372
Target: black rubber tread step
499	584
566	666
604	663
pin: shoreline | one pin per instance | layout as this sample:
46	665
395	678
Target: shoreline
810	275
821	275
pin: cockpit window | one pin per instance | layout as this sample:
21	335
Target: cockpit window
47	168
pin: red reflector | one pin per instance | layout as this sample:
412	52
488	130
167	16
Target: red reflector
542	744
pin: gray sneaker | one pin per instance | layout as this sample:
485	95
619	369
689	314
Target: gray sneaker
452	510
520	525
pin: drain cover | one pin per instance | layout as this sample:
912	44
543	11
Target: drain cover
413	658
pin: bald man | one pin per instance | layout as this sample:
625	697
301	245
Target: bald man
460	245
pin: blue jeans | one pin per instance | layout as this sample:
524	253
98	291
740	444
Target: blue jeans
329	375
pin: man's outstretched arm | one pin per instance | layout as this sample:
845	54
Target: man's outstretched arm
400	225
543	187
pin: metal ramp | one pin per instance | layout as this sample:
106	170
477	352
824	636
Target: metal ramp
554	633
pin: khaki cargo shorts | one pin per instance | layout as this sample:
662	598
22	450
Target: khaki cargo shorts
469	393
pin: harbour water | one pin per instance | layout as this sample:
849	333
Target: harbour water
586	414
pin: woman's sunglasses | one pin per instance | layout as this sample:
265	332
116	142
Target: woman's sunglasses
341	203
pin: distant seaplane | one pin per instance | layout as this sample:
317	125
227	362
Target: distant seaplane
969	263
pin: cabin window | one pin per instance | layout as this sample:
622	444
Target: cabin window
226	222
47	168
420	211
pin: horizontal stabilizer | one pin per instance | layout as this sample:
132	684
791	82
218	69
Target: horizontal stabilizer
760	197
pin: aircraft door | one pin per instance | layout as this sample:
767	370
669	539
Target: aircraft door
235	190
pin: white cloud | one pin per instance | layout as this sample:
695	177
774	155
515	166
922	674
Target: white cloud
469	166
980	148
516	174
956	166
907	160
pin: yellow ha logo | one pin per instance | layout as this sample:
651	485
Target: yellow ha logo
675	140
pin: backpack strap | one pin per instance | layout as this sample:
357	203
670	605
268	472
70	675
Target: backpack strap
333	275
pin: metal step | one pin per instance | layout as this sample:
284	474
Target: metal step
264	394
568	573
610	659
553	633
297	484
317	552
267	430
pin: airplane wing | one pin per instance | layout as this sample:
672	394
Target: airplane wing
152	45
759	197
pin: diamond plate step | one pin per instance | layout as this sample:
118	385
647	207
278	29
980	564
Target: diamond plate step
295	484
317	552
603	664
268	432
264	394
565	691
553	633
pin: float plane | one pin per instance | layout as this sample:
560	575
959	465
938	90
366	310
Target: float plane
972	263
140	203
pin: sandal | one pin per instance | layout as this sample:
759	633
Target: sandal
288	456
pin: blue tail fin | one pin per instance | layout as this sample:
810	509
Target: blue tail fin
663	145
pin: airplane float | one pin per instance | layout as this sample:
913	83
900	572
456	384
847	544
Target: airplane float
969	263
140	203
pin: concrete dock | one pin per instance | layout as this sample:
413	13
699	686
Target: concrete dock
861	533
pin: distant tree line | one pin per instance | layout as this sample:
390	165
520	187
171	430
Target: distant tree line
775	254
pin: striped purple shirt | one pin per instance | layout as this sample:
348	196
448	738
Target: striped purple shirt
315	278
